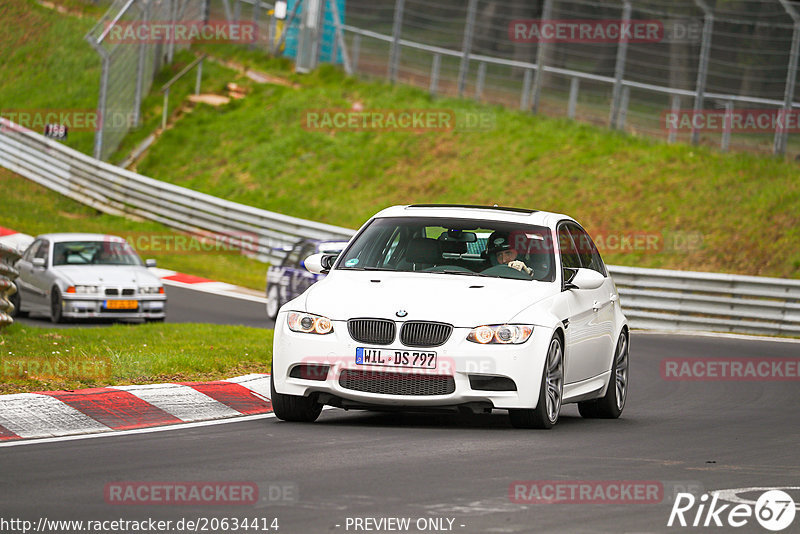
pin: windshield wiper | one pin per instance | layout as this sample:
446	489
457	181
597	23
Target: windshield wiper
367	269
466	273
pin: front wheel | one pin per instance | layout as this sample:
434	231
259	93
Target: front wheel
551	391
56	306
293	407
16	301
611	404
273	302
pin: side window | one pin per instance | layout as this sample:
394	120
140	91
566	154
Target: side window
590	257
31	252
569	254
293	259
42	251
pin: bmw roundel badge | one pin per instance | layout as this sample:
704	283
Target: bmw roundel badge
401	313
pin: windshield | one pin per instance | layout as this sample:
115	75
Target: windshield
94	253
470	247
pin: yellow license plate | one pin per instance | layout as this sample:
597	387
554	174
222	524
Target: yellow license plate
121	304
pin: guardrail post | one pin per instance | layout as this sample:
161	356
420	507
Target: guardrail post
781	131
726	126
702	66
541	48
165	111
619	69
675	108
526	90
435	66
574	83
394	53
481	80
466	47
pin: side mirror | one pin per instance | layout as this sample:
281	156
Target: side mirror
150	263
319	263
39	262
586	279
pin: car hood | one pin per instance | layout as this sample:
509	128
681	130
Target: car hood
106	275
463	301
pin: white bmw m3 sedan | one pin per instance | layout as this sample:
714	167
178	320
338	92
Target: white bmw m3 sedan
452	308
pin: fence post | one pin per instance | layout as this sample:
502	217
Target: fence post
676	108
256	6
199	78
173	15
726	126
435	66
338	38
466	47
137	103
573	96
356	50
538	80
481	80
781	132
101	104
623	107
397	27
526	90
702	66
619	69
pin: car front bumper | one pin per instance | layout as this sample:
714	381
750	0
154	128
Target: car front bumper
457	358
85	306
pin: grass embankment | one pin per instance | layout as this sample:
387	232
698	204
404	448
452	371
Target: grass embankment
36	209
38	359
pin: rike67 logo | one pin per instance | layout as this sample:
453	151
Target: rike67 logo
774	510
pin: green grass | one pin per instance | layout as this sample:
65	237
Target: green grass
36	210
52	359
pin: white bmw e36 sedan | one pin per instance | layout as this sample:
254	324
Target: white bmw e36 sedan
454	307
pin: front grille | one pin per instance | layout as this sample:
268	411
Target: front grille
372	331
386	383
425	334
128	292
113	291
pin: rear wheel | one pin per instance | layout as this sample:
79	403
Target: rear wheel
56	306
611	404
273	302
293	407
551	391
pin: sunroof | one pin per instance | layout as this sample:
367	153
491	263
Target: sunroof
473	206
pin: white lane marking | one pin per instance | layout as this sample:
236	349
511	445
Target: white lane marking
716	334
161	273
29	415
257	383
231	294
184	402
181	426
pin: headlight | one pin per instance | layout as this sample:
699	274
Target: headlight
151	290
84	289
309	324
504	334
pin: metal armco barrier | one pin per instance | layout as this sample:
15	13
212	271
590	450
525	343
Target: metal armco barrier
652	298
7	288
118	191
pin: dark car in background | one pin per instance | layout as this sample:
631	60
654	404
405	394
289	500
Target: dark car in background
291	278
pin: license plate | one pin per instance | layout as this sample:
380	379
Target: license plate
122	304
396	358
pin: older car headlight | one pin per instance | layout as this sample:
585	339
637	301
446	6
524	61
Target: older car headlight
83	289
309	323
151	290
504	334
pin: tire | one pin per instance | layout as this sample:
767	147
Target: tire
292	407
17	301
610	406
551	392
273	302
56	309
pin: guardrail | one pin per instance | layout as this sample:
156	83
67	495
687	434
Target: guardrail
122	192
652	298
7	288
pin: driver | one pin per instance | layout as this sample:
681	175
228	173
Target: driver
502	253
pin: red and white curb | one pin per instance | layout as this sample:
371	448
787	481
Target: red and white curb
21	241
49	414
